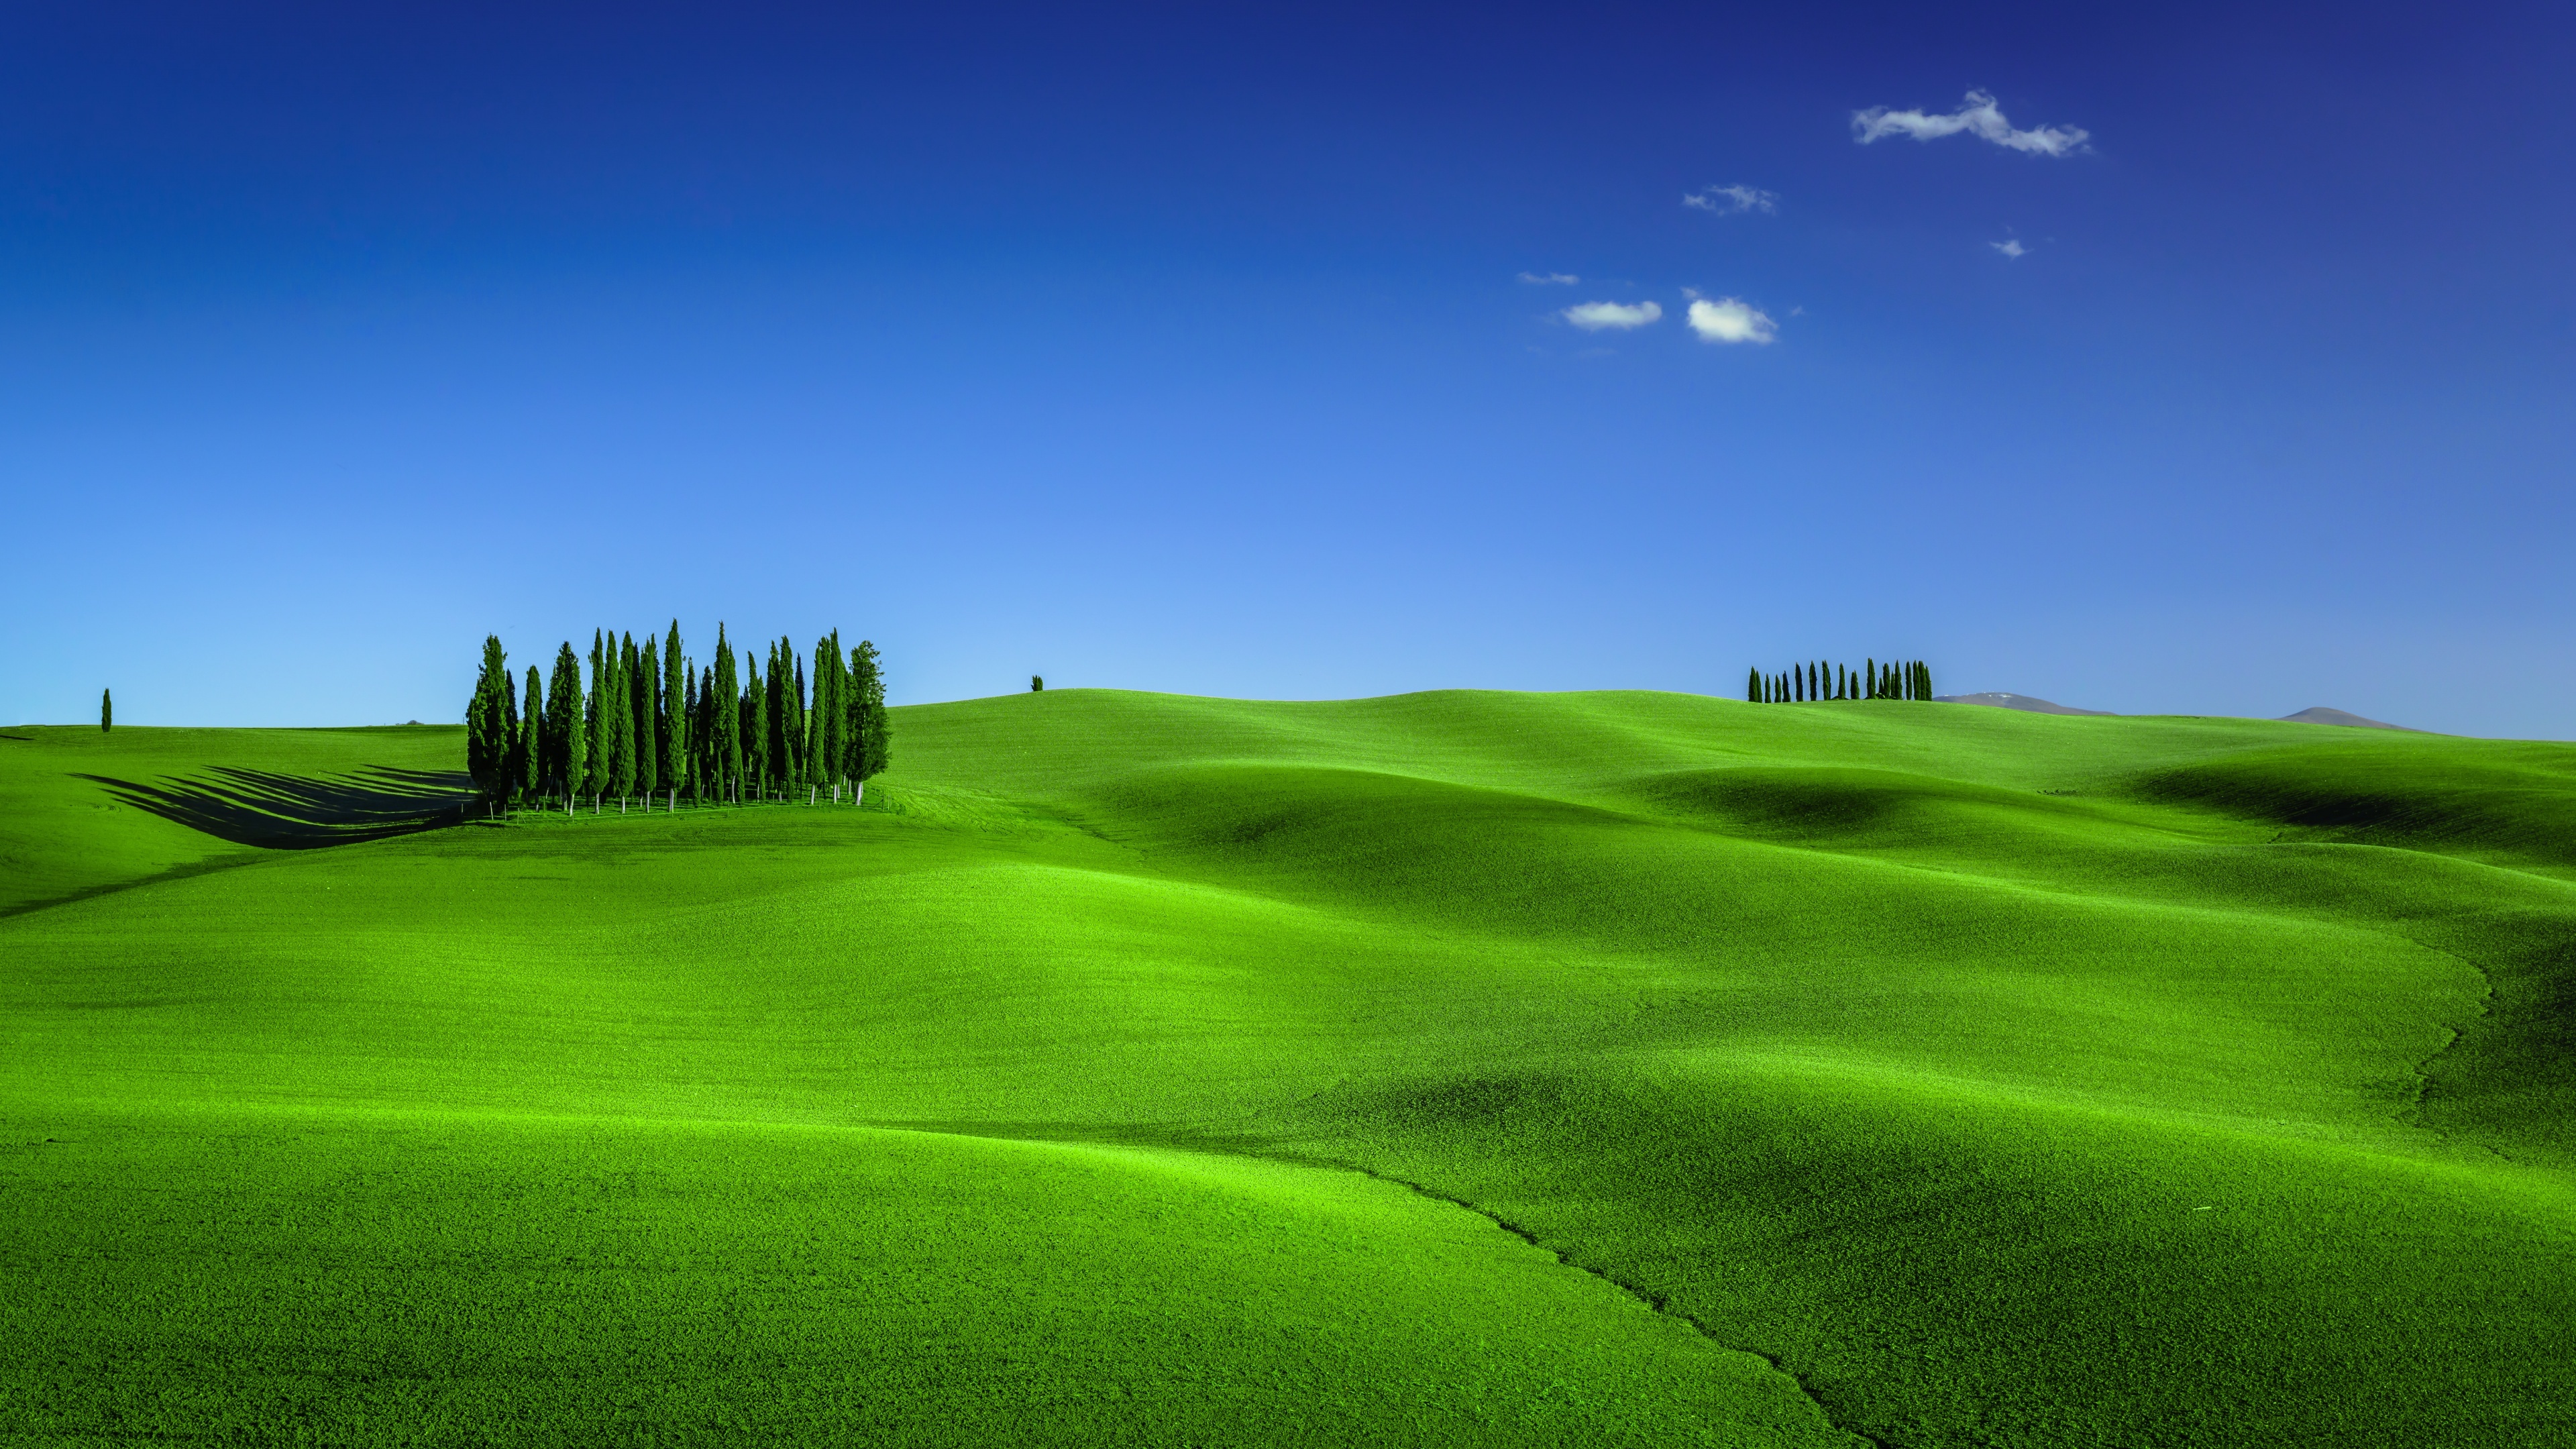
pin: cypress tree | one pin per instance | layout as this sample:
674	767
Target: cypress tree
487	730
754	726
780	743
703	734
106	710
1924	678
620	703
1753	686
567	740
1798	683
805	772
773	721
710	738
827	711
510	735
532	735
595	725
648	721
724	741
874	740
677	678
1872	680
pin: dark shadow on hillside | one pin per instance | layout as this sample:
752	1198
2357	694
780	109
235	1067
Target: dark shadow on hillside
297	812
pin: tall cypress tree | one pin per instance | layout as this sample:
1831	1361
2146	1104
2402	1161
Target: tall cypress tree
487	732
648	721
676	681
106	711
510	734
726	742
704	734
620	703
531	762
567	734
1872	681
805	771
754	726
1753	686
777	741
595	726
827	711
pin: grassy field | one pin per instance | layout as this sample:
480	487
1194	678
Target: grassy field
1448	1068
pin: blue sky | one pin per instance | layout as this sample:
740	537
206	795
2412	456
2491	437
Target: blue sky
1189	350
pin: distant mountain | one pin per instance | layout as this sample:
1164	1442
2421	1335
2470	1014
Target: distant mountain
2020	701
2323	715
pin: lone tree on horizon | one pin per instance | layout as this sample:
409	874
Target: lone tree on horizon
106	710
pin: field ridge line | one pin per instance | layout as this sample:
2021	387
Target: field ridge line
1659	1303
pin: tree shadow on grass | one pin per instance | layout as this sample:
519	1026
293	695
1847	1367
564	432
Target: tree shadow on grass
297	812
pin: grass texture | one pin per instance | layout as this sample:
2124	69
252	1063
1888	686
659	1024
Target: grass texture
1448	1068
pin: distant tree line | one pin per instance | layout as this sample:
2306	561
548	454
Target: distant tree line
1911	679
652	722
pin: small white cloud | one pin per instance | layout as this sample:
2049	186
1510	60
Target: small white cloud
1550	279
1729	320
2012	248
1733	200
1979	117
1611	316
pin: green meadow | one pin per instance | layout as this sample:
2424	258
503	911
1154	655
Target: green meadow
1453	1068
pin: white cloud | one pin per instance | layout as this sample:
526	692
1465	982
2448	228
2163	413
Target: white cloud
1733	200
1550	279
1729	320
1611	316
1979	117
2012	248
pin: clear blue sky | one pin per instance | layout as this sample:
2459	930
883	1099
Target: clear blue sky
1189	349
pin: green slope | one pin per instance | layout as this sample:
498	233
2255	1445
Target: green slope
2002	1079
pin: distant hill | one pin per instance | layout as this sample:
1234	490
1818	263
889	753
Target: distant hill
2325	716
2015	701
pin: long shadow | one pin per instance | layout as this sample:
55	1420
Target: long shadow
296	812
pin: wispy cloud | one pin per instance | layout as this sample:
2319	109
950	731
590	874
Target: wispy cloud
1611	316
1732	200
1550	279
1979	116
2012	248
1730	320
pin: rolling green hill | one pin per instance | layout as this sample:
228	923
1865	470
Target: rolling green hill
1447	1068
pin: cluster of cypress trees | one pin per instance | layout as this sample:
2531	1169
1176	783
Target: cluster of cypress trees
1911	679
651	722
